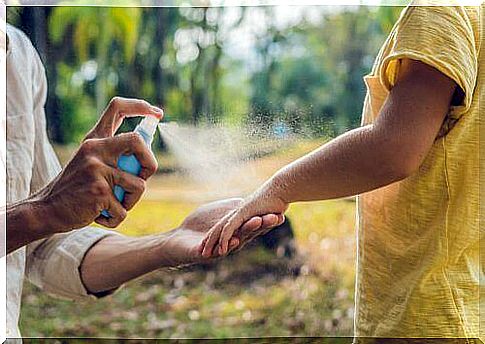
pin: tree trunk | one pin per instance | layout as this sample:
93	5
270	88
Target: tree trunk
35	25
162	24
102	57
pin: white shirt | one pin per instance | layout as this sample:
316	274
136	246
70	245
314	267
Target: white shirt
52	264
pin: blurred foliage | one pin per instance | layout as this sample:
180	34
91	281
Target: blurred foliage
238	65
93	41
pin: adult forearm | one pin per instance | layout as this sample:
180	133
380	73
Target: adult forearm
115	260
27	221
353	163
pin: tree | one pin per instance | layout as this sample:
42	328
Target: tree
300	74
314	80
95	31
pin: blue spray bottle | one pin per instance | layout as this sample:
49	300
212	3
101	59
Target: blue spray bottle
129	163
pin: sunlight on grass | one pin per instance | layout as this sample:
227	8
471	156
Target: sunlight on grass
150	217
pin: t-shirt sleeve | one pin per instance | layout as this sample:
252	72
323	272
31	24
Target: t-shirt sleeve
440	36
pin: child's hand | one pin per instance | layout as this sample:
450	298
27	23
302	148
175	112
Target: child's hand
221	233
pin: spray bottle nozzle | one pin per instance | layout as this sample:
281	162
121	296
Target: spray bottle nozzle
148	125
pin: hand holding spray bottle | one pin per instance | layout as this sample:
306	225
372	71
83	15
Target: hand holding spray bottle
129	163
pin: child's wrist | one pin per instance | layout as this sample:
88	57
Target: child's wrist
275	188
270	197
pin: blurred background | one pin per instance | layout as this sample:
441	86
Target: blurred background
286	77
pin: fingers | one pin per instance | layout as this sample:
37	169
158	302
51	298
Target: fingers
234	226
272	220
235	233
117	110
130	143
210	241
234	222
252	224
134	187
268	222
281	219
116	211
234	242
249	232
130	106
241	236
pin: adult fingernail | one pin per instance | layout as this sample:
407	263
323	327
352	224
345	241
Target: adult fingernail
157	109
233	243
255	228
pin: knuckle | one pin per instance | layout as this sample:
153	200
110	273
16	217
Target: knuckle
98	189
142	102
134	139
104	191
111	224
115	101
96	209
91	164
88	146
100	221
120	218
141	185
152	167
137	140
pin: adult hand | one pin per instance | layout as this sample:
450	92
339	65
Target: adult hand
85	186
112	257
218	239
183	243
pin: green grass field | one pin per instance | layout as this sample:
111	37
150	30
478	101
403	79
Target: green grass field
253	293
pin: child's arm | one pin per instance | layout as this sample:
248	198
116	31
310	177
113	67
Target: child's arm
360	160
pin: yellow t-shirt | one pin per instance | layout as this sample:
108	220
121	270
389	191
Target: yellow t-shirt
418	269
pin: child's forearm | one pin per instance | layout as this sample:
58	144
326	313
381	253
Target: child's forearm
356	162
390	149
364	159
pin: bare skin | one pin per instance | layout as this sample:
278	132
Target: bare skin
84	188
361	160
117	259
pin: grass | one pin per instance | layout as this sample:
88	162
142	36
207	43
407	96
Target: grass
251	294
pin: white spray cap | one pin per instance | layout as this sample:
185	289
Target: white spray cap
149	125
